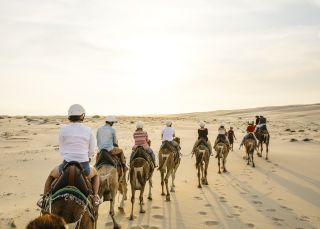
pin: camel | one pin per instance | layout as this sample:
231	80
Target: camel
47	221
250	145
75	214
168	165
202	162
222	153
263	137
110	183
71	199
141	170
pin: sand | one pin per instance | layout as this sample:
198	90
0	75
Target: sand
281	192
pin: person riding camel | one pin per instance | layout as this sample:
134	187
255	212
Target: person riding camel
107	141
203	136
222	132
250	132
231	135
76	143
168	134
257	119
141	139
262	123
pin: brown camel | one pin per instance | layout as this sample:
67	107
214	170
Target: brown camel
75	214
202	163
263	137
222	154
250	145
70	198
110	182
141	170
169	162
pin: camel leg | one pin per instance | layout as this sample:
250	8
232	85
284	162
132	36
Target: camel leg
267	150
132	201
206	172
150	186
248	156
202	173
199	185
141	200
219	164
224	164
111	213
173	176
162	183
252	160
166	179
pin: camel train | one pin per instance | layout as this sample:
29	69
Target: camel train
74	190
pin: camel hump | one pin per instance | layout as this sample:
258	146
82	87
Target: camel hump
73	176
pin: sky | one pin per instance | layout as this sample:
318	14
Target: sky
143	57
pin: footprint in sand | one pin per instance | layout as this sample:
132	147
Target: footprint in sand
250	225
211	223
158	216
198	198
277	219
202	213
254	196
257	202
208	205
156	207
238	207
235	214
271	210
109	224
286	208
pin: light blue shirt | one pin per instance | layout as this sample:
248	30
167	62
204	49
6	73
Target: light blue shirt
106	137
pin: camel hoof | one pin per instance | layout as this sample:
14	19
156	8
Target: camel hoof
199	186
206	183
162	194
225	171
172	190
167	198
253	166
149	198
267	158
131	217
259	155
142	211
117	226
219	172
173	186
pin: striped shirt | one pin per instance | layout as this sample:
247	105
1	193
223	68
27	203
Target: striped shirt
140	139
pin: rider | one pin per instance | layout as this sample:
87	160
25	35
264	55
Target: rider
262	123
168	134
231	135
107	141
203	135
257	119
76	143
250	131
222	132
141	139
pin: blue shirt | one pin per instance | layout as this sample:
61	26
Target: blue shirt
106	137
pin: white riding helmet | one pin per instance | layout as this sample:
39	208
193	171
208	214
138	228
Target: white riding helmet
202	124
111	119
76	110
139	125
168	123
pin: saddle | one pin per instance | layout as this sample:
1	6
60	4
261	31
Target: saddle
203	142
169	145
221	138
250	136
106	158
73	175
140	152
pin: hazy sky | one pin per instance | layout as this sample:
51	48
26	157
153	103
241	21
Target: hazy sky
165	56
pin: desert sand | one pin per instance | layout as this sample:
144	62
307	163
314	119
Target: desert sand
283	192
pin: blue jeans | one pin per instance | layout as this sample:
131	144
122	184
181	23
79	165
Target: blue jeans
85	166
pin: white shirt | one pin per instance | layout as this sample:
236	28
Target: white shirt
167	134
76	142
222	131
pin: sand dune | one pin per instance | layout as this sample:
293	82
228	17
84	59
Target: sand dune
282	192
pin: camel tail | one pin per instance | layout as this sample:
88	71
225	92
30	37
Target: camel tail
199	160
